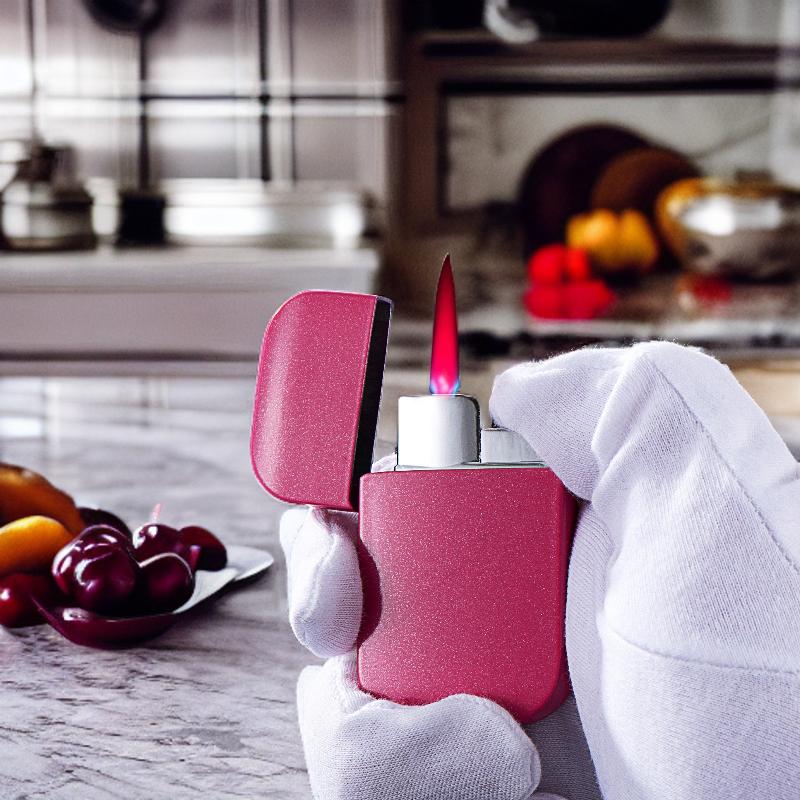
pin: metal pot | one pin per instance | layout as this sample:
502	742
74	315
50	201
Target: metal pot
44	208
732	228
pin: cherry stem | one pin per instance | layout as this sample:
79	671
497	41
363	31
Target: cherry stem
155	513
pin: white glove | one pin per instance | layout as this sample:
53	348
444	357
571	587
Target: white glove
683	603
359	748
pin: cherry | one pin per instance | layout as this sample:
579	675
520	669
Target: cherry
104	579
97	569
213	555
17	609
99	516
105	534
67	559
166	583
154	538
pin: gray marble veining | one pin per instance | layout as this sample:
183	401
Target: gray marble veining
208	708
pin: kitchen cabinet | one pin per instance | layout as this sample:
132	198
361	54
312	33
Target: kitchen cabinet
181	302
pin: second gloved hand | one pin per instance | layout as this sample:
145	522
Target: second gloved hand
683	596
360	748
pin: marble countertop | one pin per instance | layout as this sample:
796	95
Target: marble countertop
205	710
208	708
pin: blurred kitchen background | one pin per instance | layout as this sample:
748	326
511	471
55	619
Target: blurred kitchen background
601	171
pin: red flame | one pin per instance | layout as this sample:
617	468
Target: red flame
444	351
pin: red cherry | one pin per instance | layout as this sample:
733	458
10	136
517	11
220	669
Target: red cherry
105	534
193	559
154	538
546	265
99	516
82	546
167	582
212	555
104	577
17	609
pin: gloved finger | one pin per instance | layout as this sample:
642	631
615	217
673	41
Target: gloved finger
289	527
592	409
325	596
359	748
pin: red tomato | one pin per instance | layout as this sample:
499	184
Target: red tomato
545	302
546	265
576	265
587	299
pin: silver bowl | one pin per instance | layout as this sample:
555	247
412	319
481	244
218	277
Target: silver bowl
737	229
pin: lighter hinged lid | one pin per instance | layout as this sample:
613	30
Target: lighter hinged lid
317	396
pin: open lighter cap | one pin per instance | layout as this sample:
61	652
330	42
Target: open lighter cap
317	397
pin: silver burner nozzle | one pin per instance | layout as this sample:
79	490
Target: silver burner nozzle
437	430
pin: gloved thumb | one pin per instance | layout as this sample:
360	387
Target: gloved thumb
325	596
588	410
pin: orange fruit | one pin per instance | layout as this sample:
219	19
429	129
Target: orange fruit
637	241
614	242
29	544
25	493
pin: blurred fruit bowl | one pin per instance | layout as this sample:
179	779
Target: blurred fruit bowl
742	229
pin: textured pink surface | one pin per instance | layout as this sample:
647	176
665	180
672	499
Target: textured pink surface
308	397
465	575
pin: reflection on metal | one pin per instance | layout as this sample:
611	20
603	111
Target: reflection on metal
502	446
730	228
249	212
437	430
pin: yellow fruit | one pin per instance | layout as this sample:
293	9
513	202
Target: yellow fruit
597	233
24	493
636	240
29	544
614	242
576	227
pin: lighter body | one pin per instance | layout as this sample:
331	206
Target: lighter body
463	549
465	574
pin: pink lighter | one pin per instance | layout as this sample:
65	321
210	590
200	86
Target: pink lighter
464	546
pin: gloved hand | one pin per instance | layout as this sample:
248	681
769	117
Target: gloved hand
682	604
359	748
683	600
